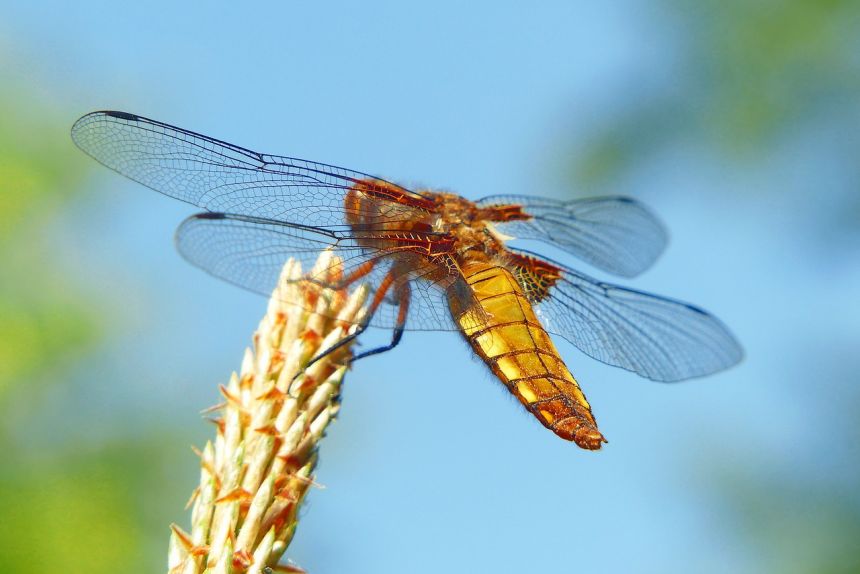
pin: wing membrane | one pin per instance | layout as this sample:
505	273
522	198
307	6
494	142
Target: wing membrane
218	176
657	337
279	207
251	252
615	234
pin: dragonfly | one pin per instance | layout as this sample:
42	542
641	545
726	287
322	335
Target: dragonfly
432	260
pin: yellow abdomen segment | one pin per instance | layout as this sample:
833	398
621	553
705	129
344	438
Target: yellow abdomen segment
507	335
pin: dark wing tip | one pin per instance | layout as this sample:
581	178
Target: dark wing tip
81	124
111	114
120	115
210	215
86	118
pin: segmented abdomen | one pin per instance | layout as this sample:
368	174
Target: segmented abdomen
505	332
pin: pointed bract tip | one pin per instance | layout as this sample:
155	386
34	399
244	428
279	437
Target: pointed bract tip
242	560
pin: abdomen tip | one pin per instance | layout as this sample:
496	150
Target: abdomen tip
585	436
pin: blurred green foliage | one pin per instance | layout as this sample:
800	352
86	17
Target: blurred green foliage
88	510
45	322
748	73
797	516
763	65
66	506
798	526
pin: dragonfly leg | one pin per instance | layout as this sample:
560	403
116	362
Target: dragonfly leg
378	298
358	273
403	296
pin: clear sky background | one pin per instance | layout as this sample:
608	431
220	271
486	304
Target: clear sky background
749	157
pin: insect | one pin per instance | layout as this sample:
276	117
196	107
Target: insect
433	260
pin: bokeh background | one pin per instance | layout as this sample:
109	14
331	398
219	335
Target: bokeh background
736	120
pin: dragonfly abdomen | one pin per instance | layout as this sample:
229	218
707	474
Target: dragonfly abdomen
507	335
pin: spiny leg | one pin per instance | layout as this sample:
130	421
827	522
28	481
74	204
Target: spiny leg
378	298
404	294
358	273
361	271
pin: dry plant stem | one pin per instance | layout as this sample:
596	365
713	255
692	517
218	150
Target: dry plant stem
255	475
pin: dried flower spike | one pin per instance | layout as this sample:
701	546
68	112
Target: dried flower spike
255	475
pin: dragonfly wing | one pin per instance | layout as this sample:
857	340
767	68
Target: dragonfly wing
615	234
657	337
251	252
218	176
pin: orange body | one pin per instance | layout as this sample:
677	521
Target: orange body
485	296
513	343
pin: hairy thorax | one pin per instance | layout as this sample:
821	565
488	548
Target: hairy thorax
431	224
475	239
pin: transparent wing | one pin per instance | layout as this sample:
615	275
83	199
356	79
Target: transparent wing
251	252
222	177
659	338
615	234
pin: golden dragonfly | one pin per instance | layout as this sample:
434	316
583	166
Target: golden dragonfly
433	260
